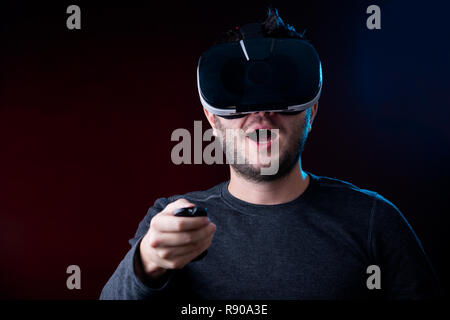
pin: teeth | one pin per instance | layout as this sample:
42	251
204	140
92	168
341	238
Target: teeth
262	135
253	135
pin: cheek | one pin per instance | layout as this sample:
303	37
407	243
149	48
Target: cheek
231	123
299	124
293	130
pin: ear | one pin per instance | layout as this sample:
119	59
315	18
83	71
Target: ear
210	118
313	115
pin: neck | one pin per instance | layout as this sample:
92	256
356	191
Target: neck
282	190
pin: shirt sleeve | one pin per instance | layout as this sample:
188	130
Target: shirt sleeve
124	284
406	271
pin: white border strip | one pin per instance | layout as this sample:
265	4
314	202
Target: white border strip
243	49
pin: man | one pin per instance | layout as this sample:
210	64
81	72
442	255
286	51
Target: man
287	235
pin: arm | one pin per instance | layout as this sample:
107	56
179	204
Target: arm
406	272
129	281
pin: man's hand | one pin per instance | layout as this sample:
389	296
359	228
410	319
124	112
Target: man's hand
172	242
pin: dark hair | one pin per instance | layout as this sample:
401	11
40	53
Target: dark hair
273	27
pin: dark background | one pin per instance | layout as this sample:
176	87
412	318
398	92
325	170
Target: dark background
86	118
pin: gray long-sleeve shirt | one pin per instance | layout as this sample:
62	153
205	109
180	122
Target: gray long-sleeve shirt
317	246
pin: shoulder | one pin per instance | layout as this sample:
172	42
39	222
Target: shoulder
335	186
336	190
373	211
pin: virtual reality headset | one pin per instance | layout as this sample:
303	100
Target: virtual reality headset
259	74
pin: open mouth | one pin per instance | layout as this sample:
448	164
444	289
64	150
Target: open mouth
262	135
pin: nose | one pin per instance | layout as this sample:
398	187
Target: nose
265	114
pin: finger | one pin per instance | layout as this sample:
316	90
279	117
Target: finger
174	252
168	223
180	203
181	260
173	239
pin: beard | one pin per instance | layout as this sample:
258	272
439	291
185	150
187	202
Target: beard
288	159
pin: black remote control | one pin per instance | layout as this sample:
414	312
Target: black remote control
193	212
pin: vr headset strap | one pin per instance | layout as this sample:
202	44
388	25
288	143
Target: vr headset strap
251	30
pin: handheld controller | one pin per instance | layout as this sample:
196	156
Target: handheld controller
193	212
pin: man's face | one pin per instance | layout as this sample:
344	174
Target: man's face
291	138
